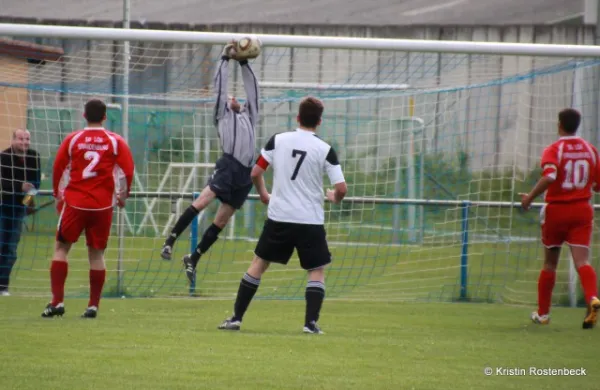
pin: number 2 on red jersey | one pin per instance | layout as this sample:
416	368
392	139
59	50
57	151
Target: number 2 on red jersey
93	158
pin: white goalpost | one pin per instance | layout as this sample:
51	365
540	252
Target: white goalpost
436	138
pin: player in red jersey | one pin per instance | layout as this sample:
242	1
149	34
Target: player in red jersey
571	171
97	166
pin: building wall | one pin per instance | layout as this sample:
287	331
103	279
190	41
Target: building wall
13	101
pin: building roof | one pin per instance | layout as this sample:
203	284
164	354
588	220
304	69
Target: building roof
30	51
307	12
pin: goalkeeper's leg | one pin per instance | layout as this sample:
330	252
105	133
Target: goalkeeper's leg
199	204
210	236
230	202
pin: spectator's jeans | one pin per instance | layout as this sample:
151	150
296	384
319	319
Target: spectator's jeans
11	221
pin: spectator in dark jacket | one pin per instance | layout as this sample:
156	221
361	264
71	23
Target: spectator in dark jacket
20	175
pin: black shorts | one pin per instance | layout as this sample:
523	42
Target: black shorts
278	240
231	181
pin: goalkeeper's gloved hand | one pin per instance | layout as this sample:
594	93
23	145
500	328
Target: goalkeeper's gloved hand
229	51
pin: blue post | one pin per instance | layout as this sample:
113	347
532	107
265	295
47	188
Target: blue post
464	256
194	241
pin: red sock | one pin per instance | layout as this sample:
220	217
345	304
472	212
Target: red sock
58	276
97	277
587	275
545	287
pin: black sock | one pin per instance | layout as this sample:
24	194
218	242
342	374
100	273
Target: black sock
248	287
210	236
182	223
315	293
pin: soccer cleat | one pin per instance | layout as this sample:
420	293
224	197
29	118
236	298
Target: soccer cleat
52	311
230	324
4	293
538	319
592	314
190	270
90	312
166	252
312	328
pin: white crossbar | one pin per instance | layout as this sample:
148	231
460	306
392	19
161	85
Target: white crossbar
320	42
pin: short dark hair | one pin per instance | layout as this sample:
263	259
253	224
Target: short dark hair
310	112
569	120
95	110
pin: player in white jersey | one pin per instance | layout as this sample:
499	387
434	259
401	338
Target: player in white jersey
296	216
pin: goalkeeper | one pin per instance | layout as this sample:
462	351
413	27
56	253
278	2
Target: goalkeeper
230	181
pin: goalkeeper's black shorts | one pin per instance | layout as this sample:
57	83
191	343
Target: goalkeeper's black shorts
231	181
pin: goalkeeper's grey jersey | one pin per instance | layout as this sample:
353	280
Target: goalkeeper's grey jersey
299	160
236	130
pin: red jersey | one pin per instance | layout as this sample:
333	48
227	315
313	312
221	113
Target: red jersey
573	164
88	167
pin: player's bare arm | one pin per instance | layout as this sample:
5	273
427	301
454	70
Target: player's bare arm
259	183
540	187
262	164
336	177
549	165
338	193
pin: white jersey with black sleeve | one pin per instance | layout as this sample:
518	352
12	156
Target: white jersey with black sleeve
299	160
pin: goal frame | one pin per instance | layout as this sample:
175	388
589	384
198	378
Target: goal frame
301	41
322	42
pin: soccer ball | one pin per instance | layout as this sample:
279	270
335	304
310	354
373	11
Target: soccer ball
248	47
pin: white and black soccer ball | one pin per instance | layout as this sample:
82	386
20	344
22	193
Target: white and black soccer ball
248	47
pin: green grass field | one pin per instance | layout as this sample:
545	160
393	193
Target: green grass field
389	318
174	344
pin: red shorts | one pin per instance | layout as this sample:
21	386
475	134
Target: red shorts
96	223
567	223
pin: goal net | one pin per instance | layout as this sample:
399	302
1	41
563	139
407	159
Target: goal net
434	147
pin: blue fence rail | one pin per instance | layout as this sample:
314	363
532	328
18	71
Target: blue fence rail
194	241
